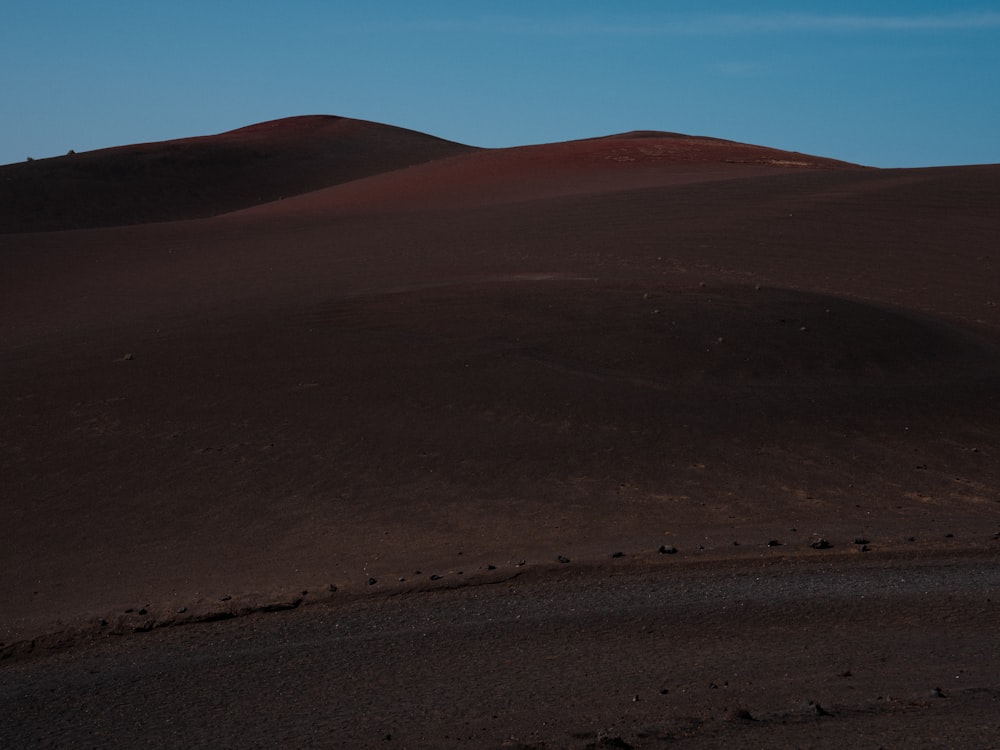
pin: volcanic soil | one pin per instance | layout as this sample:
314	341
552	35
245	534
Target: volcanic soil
332	433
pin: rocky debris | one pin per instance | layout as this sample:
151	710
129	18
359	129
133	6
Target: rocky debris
821	544
666	549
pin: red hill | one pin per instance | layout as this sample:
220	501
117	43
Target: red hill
207	175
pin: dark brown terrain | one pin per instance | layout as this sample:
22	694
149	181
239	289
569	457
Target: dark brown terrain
327	433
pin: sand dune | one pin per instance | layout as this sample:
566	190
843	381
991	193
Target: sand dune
477	363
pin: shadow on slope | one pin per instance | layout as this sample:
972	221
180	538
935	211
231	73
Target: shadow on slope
204	176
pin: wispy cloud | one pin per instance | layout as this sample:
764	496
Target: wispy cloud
723	24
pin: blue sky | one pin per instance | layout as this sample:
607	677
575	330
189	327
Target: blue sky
882	83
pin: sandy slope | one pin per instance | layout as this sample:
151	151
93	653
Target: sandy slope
488	358
205	175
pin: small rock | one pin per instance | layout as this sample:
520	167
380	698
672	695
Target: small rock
332	588
129	611
773	543
666	549
182	610
817	709
865	548
938	693
225	598
435	577
618	554
102	622
143	611
860	540
491	567
613	742
372	581
821	544
519	564
740	714
128	357
664	691
562	559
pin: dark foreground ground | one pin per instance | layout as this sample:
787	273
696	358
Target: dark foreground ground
820	653
306	470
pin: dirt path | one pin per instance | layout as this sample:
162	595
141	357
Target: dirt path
858	652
